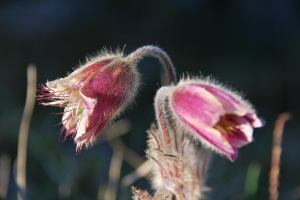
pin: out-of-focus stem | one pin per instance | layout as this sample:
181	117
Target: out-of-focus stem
114	173
132	158
5	163
142	171
158	53
276	153
24	130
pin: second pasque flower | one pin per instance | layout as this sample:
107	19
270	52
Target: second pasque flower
216	116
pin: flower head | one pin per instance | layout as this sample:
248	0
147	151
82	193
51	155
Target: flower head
219	118
92	95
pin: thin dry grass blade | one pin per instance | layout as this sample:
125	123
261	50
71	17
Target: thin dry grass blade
114	174
24	130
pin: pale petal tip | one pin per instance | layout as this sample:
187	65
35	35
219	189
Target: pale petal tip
232	157
257	123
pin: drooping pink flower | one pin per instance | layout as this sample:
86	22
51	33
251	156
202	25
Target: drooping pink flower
92	95
95	93
219	118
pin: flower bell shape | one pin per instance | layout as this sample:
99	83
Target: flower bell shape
92	95
219	118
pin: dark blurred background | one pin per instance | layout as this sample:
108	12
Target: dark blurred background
252	46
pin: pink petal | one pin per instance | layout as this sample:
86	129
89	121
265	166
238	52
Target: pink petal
199	110
103	111
240	137
231	103
86	72
96	119
89	136
254	120
115	80
243	127
212	138
237	139
103	96
89	103
196	104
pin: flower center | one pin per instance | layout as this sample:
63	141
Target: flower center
226	125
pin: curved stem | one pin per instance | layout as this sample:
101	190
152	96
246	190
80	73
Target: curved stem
158	53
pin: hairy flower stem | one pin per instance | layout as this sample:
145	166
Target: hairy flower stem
158	53
178	166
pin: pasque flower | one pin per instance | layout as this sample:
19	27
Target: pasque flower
212	114
92	95
98	91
